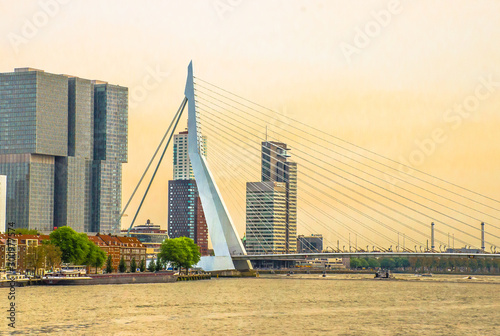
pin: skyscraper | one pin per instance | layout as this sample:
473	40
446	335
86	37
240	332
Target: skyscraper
266	217
185	212
276	167
73	172
110	151
47	146
33	131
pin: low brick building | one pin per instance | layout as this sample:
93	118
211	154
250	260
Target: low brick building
128	247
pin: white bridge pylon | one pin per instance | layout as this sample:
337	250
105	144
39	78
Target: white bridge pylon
223	235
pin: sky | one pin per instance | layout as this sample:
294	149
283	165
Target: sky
384	75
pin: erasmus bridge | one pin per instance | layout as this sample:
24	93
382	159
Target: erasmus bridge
349	193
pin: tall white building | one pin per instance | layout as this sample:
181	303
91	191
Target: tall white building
182	165
3	203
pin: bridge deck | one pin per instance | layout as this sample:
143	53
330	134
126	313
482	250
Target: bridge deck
294	256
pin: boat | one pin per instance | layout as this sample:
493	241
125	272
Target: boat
20	280
69	275
383	275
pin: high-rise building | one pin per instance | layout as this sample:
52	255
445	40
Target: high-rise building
276	167
185	212
182	165
73	179
266	217
3	203
48	138
310	244
110	151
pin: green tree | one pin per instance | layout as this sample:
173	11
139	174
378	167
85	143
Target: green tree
122	267
23	231
152	266
355	263
473	265
53	255
405	263
363	263
133	265
181	252
418	263
443	264
373	263
142	265
387	263
35	258
74	246
109	265
95	256
158	265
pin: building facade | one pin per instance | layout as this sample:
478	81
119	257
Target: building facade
276	167
127	247
185	211
310	244
62	142
150	235
265	217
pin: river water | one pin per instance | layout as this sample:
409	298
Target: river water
274	305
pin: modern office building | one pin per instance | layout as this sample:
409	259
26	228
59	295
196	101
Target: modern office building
310	244
3	203
266	217
49	135
185	212
110	151
276	167
73	173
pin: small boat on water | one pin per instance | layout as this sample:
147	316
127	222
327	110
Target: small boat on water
71	275
20	280
383	275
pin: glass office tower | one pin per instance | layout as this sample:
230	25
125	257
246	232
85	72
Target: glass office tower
48	150
110	151
33	131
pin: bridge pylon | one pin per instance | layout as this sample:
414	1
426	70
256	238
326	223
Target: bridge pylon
223	235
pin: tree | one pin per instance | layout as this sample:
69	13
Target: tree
181	252
53	255
133	265
387	263
23	231
158	265
142	265
95	256
74	246
354	263
152	266
373	263
109	265
363	263
35	258
122	267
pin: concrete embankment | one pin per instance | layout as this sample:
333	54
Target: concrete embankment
194	277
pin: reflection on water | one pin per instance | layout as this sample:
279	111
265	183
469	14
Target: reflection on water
297	305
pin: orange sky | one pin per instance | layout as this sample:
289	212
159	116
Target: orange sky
421	61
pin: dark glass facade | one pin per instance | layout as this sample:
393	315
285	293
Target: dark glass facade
62	142
110	151
185	213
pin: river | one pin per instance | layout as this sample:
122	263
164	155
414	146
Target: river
273	305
